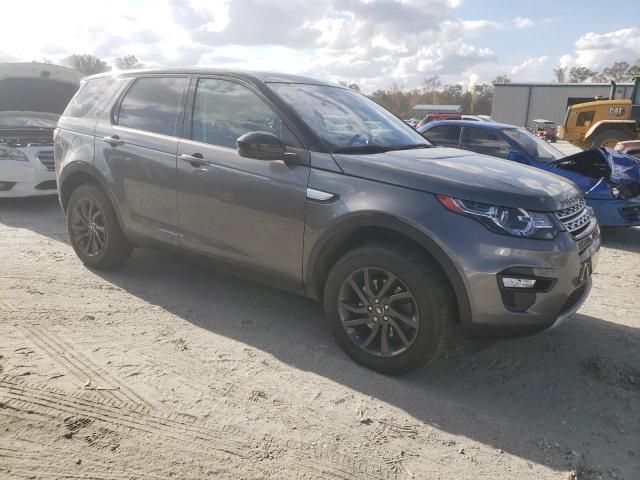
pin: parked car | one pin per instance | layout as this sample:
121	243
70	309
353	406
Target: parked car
402	243
544	129
434	117
32	97
477	118
630	147
610	180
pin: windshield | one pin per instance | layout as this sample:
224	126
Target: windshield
535	147
28	120
348	122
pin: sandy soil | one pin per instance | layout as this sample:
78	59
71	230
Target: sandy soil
166	369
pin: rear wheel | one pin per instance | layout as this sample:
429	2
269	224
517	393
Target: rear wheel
609	137
389	309
94	229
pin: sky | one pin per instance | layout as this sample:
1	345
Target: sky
374	43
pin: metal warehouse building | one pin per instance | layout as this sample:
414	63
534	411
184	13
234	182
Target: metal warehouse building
520	103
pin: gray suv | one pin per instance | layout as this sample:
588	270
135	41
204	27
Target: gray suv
316	189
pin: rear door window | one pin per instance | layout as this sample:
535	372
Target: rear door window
487	142
153	104
444	135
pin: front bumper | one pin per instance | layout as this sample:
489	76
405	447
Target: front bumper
26	179
484	257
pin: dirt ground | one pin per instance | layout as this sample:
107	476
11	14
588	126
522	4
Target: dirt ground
167	369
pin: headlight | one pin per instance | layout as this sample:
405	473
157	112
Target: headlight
7	153
517	222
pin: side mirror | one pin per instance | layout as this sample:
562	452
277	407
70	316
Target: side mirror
517	156
261	146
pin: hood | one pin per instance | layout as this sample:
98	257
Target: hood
465	175
36	87
603	165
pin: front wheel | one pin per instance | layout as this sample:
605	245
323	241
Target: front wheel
389	309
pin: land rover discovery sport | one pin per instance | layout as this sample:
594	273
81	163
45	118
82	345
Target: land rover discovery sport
316	189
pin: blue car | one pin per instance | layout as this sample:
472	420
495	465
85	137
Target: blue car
609	179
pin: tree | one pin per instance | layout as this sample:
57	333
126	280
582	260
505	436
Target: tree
617	72
127	62
635	70
560	74
86	64
580	74
353	86
501	79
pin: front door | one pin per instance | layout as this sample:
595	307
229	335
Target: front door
247	211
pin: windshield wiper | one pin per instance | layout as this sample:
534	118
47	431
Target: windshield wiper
362	149
411	146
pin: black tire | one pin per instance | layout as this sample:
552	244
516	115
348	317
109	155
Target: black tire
432	298
610	137
110	247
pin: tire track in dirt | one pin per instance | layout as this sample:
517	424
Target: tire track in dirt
224	439
81	367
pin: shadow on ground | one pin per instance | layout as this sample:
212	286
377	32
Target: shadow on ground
41	215
540	398
573	389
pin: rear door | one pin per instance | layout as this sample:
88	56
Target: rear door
246	211
136	150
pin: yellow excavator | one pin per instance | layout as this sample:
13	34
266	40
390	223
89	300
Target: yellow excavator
603	123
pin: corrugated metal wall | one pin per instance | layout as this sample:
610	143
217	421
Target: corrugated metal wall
518	104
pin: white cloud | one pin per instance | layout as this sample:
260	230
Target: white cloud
372	42
523	22
600	50
529	65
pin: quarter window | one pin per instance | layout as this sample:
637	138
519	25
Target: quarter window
92	97
152	105
445	135
225	110
484	141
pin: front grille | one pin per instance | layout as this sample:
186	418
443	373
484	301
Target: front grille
46	159
577	218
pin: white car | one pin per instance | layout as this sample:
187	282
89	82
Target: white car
32	97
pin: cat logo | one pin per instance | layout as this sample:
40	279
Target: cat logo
616	111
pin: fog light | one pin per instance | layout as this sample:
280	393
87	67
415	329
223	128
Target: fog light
510	282
5	186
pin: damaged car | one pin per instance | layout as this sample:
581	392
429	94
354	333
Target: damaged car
609	179
32	97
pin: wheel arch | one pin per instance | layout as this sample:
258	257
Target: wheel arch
362	229
79	173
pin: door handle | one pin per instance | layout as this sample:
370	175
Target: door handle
196	159
114	140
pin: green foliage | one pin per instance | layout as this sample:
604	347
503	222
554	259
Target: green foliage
580	74
401	102
86	64
127	62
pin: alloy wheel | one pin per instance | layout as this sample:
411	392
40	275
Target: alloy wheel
378	312
88	227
